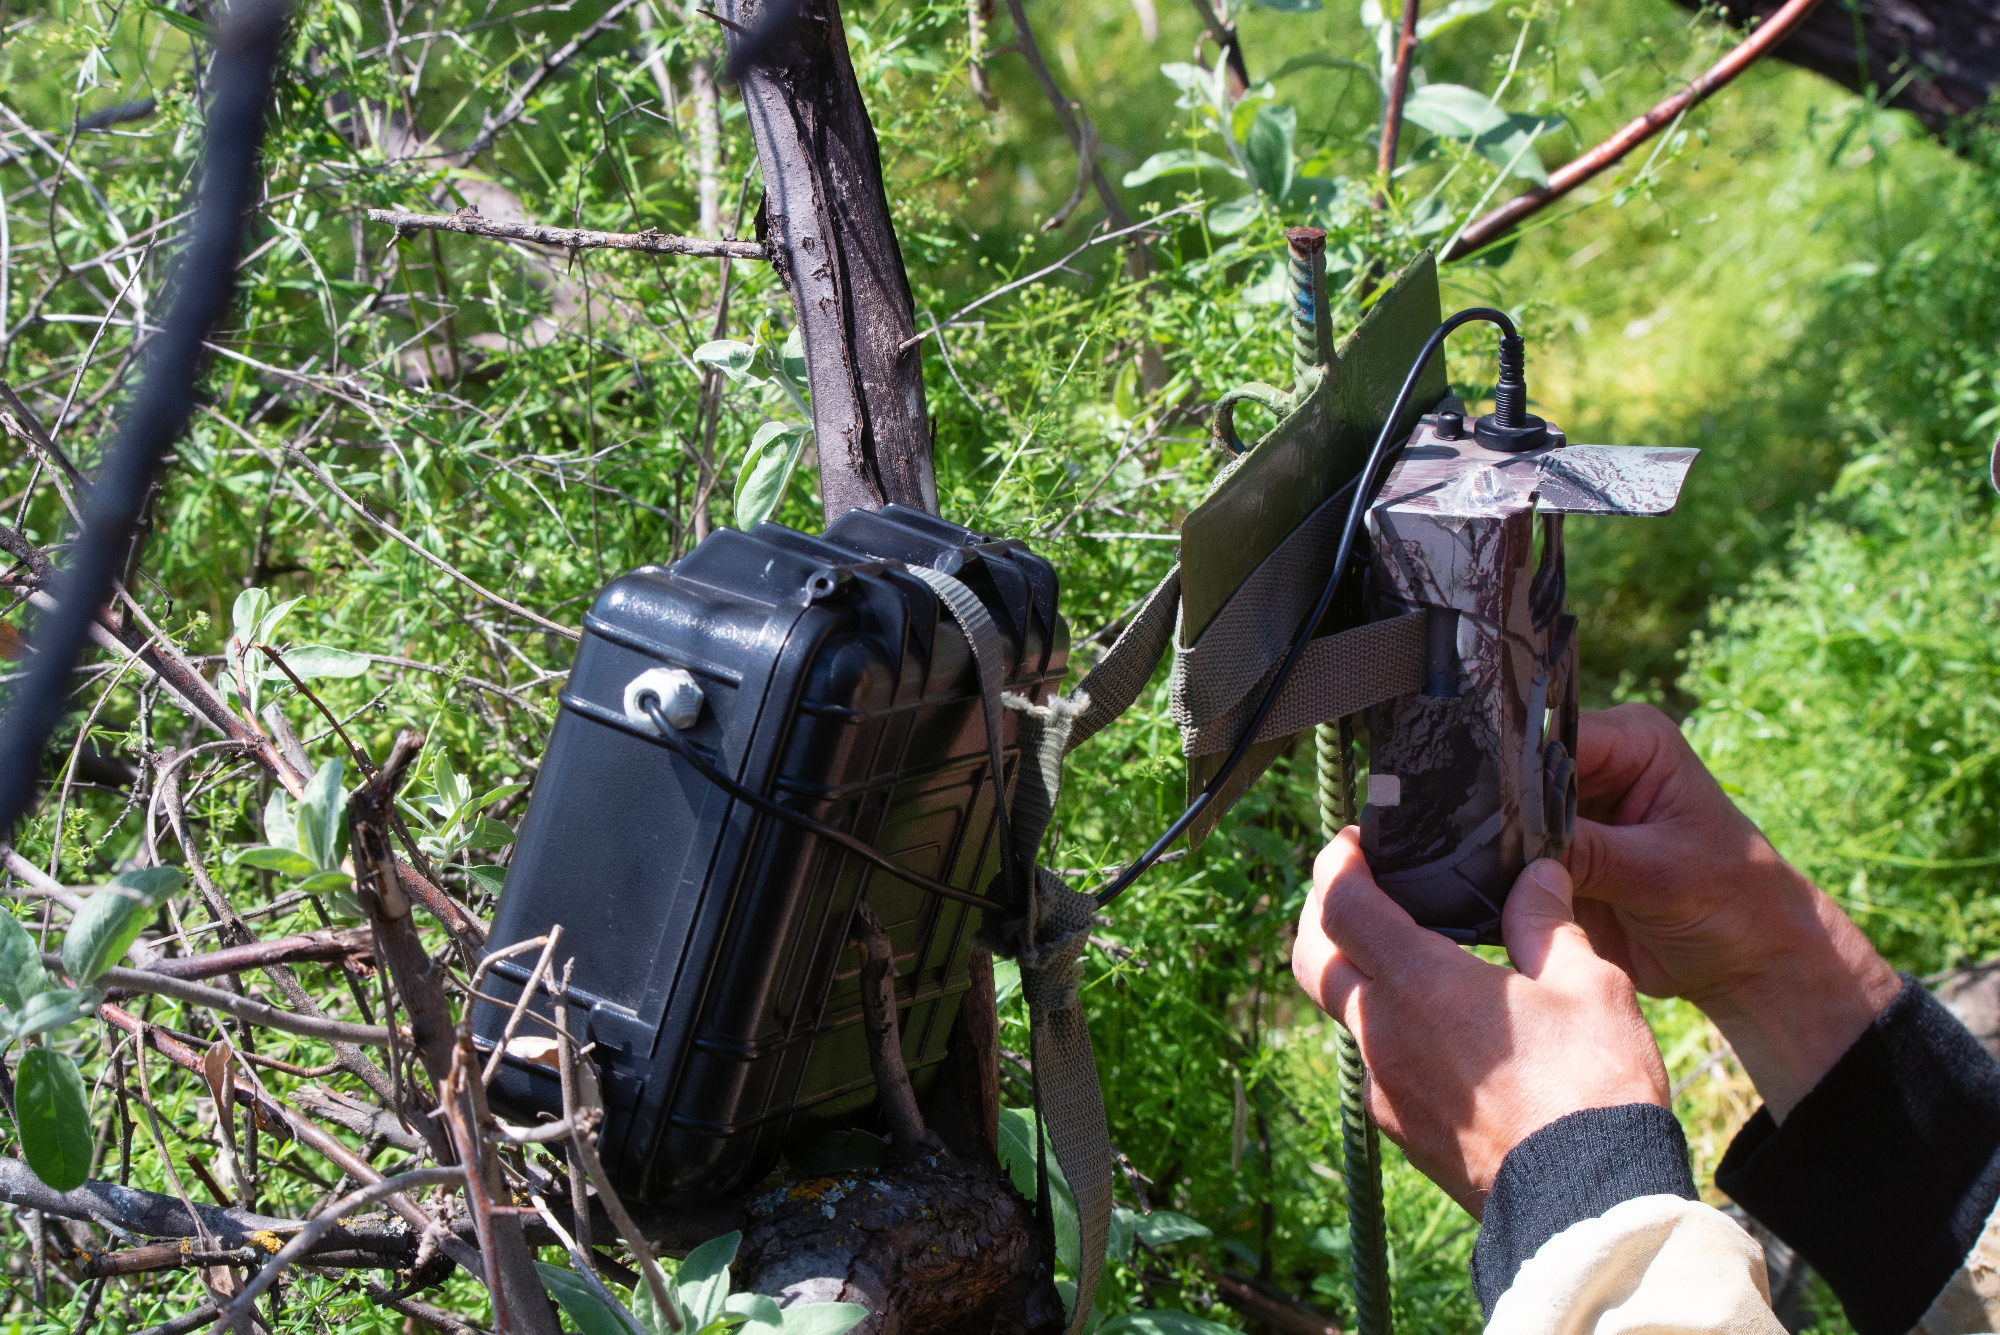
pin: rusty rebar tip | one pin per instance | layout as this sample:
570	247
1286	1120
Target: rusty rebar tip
1306	240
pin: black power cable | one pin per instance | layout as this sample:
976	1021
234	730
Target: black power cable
246	52
756	801
1509	403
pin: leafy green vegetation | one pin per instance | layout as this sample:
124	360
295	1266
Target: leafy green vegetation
407	444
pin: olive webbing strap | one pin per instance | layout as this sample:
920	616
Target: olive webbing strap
1047	941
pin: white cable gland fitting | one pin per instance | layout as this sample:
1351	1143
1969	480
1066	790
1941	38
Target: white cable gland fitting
679	693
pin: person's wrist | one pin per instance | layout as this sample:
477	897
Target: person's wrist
1818	986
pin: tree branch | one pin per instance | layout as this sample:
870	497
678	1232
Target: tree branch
467	222
1573	174
550	63
1399	91
243	1008
322	947
910	1137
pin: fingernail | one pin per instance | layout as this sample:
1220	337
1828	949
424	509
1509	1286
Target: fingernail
1553	877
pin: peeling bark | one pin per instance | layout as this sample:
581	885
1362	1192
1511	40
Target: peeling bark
933	1248
826	219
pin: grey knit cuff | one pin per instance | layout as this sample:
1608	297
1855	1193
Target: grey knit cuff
1573	1169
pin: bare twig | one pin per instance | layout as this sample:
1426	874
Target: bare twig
1086	163
469	223
1399	90
520	1006
1046	270
550	63
243	1008
307	947
1573	174
40	881
910	1137
979	17
20	421
424	1312
1226	37
1067	115
303	1240
581	1110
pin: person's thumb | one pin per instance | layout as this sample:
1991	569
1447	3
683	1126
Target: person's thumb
1539	924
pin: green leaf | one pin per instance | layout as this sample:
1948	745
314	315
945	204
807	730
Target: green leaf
1177	160
1453	14
284	861
1163	1227
488	833
767	470
650	1317
824	1318
1163	1321
1511	146
490	879
582	1303
1313	60
308	661
322	817
173	18
1017	1154
267	625
324	883
1007	974
51	1010
488	798
281	826
246	612
1333	1241
837	1152
1229	218
703	1280
54	1118
112	918
21	973
1199	87
1268	146
760	1312
1119	1246
1501	137
730	357
792	359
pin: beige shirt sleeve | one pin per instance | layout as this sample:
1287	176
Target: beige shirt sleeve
1970	1303
1654	1265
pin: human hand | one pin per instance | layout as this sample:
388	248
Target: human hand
1467	1059
1683	892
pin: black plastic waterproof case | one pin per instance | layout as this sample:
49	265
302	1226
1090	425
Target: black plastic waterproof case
712	969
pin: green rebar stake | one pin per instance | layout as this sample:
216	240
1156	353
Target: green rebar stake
1361	1142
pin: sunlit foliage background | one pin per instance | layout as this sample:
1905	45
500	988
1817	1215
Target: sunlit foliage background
1790	280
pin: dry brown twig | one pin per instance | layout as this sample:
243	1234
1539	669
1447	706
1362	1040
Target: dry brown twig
1634	133
467	222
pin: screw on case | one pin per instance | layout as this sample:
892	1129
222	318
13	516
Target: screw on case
679	694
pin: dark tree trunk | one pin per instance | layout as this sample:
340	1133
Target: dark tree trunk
938	1241
826	217
1949	49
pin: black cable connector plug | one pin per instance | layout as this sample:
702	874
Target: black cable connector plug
1510	426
